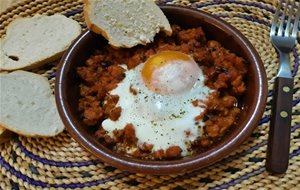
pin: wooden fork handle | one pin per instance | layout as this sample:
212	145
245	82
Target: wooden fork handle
280	126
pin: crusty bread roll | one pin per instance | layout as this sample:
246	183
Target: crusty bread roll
31	42
125	23
28	105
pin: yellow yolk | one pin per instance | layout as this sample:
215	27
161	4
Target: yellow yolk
161	59
170	72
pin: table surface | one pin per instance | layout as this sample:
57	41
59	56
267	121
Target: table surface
60	162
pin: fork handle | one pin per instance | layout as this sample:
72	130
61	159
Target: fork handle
279	134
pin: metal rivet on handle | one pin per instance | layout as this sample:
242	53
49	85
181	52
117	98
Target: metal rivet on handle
284	114
286	89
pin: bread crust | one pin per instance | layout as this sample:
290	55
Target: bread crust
11	130
33	65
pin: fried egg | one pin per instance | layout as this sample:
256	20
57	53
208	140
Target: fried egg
162	109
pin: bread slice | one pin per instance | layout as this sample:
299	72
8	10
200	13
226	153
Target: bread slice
28	105
125	23
31	42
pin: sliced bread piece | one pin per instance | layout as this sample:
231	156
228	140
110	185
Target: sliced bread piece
28	105
31	42
125	23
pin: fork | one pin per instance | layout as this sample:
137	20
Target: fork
283	39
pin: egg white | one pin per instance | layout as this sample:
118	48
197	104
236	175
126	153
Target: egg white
160	120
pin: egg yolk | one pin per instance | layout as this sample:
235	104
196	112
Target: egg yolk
170	72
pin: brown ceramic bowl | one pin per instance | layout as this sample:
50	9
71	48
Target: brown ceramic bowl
67	95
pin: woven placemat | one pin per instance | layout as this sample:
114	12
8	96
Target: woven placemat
50	163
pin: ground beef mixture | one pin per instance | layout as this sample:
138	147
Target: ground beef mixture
225	72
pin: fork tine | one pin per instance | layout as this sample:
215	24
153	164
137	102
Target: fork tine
274	23
280	29
296	22
287	27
